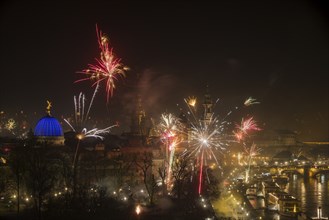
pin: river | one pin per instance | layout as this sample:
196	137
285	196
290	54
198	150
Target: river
312	192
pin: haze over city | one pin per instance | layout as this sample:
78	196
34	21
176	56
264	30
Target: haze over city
164	110
274	51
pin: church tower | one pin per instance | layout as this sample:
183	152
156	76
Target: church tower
138	118
207	108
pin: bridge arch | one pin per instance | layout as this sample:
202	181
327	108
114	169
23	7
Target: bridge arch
315	171
297	170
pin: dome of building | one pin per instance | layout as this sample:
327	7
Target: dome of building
48	126
48	130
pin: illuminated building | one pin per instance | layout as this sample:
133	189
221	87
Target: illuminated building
48	130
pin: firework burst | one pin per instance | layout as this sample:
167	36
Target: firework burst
10	125
250	152
80	118
15	125
209	135
250	101
108	67
206	137
191	101
169	128
247	125
205	141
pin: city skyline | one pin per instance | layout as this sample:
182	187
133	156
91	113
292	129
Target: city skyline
275	52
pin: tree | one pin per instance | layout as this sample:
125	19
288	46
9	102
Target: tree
162	171
17	165
122	165
41	176
144	163
181	174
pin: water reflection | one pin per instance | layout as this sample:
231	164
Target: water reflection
312	192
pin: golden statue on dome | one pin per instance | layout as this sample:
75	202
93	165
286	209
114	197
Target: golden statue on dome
48	107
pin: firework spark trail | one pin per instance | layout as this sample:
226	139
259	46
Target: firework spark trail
93	133
208	136
200	176
17	124
78	104
249	125
191	105
205	137
191	101
252	151
246	126
239	135
79	107
169	126
250	101
81	117
107	68
10	125
174	143
83	108
75	108
81	103
79	124
92	100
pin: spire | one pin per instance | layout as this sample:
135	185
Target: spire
138	116
48	108
208	107
207	100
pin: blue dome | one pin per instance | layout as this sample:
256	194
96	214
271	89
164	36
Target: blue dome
48	126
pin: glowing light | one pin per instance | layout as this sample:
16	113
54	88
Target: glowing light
138	209
80	136
204	141
11	124
191	101
3	160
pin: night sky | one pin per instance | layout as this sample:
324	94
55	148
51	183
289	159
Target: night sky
274	51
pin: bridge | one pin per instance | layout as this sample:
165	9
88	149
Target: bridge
305	170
